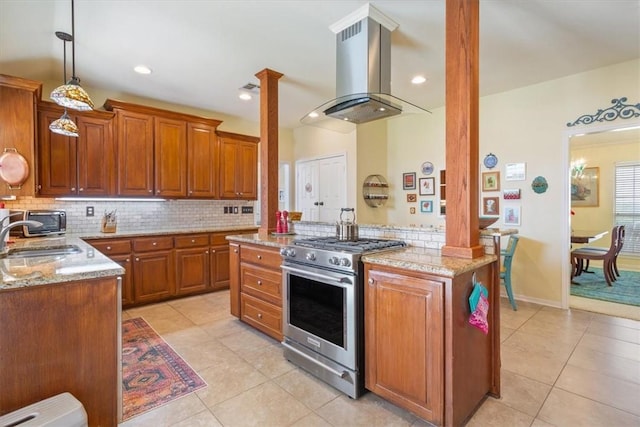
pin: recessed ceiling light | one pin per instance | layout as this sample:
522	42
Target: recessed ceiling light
244	96
142	69
417	80
313	114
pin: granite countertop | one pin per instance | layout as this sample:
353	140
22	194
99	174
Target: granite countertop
427	261
47	269
410	258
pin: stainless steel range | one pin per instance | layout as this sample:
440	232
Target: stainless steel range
323	281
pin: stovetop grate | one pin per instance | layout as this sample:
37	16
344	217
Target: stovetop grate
356	246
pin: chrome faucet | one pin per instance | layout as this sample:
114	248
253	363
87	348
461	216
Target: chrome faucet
5	230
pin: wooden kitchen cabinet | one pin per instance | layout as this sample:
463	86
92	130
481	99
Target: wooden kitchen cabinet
70	166
135	153
256	287
421	353
220	262
119	251
153	269
238	166
62	337
170	152
203	155
192	264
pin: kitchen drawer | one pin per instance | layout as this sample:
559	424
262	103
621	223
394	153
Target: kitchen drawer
147	244
261	255
262	283
112	247
192	240
218	239
262	315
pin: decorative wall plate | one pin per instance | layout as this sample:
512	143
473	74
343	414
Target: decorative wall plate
427	168
539	184
490	161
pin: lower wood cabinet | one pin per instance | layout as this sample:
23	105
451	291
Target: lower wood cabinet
158	268
62	337
256	287
421	353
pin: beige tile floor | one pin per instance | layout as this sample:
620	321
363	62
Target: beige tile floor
559	368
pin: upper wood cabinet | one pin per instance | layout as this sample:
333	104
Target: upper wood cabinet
18	124
70	166
238	166
163	153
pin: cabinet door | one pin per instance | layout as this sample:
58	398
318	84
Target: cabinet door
135	154
202	146
154	276
228	162
192	268
56	159
247	172
404	341
127	280
95	157
170	151
220	271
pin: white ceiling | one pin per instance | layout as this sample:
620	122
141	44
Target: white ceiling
203	51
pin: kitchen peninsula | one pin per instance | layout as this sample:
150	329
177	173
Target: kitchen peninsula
423	355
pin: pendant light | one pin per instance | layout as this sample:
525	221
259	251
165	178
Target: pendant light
64	125
71	94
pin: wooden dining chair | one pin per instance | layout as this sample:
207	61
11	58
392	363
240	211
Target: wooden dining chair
615	272
579	258
505	270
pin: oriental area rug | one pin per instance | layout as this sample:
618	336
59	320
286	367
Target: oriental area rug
625	290
153	374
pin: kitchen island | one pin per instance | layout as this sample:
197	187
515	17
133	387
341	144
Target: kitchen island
421	353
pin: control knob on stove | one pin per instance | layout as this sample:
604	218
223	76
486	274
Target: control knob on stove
290	252
334	260
345	262
311	256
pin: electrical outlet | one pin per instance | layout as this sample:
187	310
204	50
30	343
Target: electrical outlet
226	209
90	211
235	209
247	209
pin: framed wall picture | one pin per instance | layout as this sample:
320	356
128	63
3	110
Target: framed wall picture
427	186
585	191
412	210
409	181
412	197
426	206
515	171
491	181
491	206
511	194
511	215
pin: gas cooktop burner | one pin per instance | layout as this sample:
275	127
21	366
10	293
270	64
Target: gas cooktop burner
356	246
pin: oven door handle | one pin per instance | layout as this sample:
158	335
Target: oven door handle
341	280
342	374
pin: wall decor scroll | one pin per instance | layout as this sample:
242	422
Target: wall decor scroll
609	114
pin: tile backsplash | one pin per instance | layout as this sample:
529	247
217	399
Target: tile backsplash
144	215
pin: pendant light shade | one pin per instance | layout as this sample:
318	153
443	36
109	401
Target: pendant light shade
64	126
71	94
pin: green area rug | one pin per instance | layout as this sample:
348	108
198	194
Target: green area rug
625	290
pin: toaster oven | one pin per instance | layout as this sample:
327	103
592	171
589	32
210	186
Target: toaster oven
54	222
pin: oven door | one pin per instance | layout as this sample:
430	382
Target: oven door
320	312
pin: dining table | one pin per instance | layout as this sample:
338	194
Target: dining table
587	236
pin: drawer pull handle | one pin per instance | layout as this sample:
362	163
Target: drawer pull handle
137	259
259	282
235	251
193	240
127	260
371	281
259	315
206	252
259	256
108	248
154	243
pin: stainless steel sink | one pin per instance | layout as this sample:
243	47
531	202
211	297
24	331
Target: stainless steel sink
43	251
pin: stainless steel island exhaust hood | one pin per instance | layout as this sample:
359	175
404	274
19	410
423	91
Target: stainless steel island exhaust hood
363	75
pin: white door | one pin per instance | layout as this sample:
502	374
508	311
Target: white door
321	188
